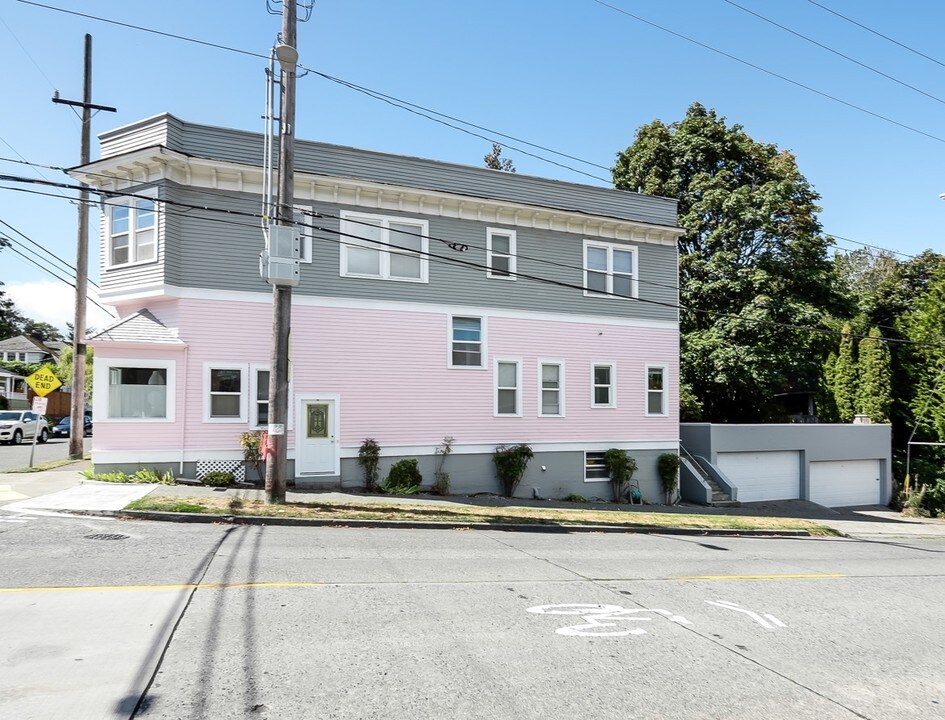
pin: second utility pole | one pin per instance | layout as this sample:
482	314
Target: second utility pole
77	413
282	294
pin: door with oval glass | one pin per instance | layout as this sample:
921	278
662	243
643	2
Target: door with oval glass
316	436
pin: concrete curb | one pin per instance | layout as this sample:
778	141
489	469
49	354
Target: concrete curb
429	525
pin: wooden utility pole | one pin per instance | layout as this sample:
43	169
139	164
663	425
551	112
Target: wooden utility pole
77	415
282	294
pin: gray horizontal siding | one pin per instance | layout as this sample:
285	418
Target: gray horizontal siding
211	250
239	146
132	276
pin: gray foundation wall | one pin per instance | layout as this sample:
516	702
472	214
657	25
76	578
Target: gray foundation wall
563	474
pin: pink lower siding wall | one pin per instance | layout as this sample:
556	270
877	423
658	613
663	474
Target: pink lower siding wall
390	370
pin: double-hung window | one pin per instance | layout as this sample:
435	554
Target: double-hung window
387	248
132	232
259	409
656	390
466	342
508	387
224	393
603	385
610	270
551	388
500	253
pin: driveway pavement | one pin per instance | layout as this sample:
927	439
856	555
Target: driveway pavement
64	490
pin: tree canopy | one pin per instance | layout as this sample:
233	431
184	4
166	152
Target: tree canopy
752	262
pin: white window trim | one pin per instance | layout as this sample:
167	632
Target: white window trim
483	336
101	371
593	480
664	392
304	226
385	221
610	247
561	387
513	251
149	194
613	383
518	386
244	391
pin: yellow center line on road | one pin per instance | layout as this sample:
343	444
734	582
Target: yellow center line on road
202	586
812	576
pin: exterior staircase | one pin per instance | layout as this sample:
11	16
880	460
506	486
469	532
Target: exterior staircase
720	498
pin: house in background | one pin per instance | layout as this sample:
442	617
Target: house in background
22	348
416	316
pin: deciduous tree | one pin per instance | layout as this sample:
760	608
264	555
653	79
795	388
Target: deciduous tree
752	257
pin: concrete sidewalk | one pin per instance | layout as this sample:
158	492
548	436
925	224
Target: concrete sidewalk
65	490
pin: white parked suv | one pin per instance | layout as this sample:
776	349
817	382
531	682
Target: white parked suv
19	425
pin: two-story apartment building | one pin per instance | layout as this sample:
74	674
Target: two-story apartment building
435	300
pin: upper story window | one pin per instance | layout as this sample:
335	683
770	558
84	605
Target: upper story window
388	248
508	387
610	270
500	253
132	232
603	382
467	341
656	394
551	389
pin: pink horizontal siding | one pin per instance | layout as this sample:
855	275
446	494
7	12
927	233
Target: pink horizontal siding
390	369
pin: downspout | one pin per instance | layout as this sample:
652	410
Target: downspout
183	418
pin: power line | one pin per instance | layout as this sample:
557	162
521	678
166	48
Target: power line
796	83
46	250
877	33
50	272
391	100
835	52
480	266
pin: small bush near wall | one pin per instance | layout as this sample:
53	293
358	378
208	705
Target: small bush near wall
251	442
218	478
441	481
143	475
369	455
404	478
668	466
510	463
621	468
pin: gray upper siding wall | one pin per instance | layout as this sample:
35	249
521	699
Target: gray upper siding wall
210	250
238	146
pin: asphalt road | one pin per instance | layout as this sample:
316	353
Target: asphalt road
18	456
215	621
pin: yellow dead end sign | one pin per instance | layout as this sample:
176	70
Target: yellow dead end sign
43	381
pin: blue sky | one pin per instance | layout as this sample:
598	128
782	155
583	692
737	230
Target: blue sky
571	75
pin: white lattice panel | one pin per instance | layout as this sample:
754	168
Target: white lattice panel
231	466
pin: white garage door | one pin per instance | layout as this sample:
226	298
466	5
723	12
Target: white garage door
841	483
763	475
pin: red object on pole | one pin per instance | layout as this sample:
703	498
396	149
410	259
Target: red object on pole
264	445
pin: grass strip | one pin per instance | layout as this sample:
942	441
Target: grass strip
471	514
51	465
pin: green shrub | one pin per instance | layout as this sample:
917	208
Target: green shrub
510	463
251	442
575	498
217	478
141	476
369	455
668	466
621	468
441	482
404	478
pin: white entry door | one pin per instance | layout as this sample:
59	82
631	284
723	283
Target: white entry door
316	437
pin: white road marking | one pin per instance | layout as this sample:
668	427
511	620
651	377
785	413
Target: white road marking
593	615
769	622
